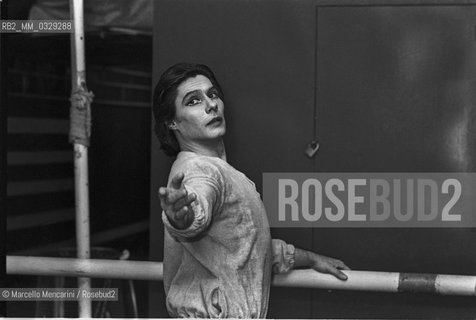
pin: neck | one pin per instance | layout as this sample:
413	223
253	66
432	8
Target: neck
205	148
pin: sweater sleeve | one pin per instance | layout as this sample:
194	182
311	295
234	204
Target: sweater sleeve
206	182
283	256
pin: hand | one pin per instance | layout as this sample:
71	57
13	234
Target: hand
328	265
176	203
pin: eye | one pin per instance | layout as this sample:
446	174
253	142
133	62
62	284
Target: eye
213	94
193	101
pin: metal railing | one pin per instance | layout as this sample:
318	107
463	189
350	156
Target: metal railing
460	285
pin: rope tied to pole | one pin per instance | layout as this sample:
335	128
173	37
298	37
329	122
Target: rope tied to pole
80	116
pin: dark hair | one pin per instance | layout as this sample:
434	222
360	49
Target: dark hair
165	93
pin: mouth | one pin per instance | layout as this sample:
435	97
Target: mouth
216	120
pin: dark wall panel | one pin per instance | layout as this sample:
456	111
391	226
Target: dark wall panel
398	81
394	93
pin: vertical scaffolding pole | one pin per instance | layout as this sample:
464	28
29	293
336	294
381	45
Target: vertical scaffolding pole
79	136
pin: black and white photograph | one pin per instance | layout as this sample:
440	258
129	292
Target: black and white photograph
282	159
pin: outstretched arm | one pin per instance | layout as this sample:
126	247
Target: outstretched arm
190	200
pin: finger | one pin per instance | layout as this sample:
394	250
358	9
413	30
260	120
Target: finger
167	198
162	193
163	202
180	215
176	195
177	180
170	214
339	274
185	201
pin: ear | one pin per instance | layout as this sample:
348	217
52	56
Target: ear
172	125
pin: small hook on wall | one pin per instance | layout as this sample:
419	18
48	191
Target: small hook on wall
311	149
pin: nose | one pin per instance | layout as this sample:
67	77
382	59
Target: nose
212	105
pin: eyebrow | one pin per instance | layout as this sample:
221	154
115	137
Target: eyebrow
190	94
195	92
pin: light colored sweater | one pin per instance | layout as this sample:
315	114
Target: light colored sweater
221	265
